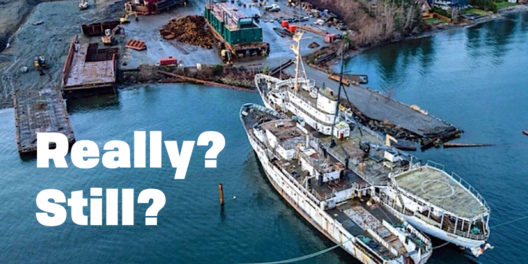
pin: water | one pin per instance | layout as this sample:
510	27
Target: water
475	78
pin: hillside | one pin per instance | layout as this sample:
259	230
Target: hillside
375	21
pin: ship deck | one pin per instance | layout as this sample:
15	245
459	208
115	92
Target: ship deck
356	217
438	188
373	169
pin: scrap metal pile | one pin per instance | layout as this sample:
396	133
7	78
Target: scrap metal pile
191	30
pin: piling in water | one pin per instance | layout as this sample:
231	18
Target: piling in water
221	193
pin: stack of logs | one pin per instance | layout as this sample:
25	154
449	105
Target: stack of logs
191	30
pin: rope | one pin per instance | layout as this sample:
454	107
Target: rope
321	252
305	257
509	222
434	248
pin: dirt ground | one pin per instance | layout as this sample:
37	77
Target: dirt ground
50	26
60	22
12	15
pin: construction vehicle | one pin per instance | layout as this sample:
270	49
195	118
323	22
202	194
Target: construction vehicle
83	5
40	64
128	12
109	38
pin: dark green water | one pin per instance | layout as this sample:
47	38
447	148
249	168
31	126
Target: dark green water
475	78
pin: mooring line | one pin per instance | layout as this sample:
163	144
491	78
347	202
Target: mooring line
437	247
509	222
321	252
301	258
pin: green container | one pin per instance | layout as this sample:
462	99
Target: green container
247	32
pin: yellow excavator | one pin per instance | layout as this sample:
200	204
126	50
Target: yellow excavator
83	5
40	64
128	12
109	38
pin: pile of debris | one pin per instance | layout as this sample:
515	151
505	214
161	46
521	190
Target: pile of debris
191	30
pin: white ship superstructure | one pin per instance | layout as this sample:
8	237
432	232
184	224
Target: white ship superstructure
432	200
329	196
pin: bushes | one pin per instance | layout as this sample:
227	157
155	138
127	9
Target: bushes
441	12
217	69
488	5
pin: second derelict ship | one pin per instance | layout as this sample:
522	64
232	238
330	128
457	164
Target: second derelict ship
328	195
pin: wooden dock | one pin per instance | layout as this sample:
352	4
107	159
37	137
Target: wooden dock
39	111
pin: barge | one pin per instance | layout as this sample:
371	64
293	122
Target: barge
88	67
40	111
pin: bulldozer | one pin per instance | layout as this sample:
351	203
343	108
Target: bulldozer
83	5
109	38
40	64
128	12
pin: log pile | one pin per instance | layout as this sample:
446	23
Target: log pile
191	30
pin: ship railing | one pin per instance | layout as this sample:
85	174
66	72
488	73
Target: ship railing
307	101
467	235
473	191
312	116
426	240
369	250
382	241
462	182
294	181
436	165
300	187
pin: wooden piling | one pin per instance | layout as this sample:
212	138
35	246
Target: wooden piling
464	145
221	193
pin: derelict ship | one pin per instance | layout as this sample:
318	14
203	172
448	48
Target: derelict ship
440	204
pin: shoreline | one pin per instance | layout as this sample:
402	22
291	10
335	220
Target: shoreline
351	54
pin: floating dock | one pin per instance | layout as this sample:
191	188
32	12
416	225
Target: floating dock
88	67
372	105
39	111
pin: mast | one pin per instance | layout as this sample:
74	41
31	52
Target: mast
298	59
332	140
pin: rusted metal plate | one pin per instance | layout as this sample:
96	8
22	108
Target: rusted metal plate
136	44
39	111
90	67
98	29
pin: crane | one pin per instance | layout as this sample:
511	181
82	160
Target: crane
109	37
128	12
